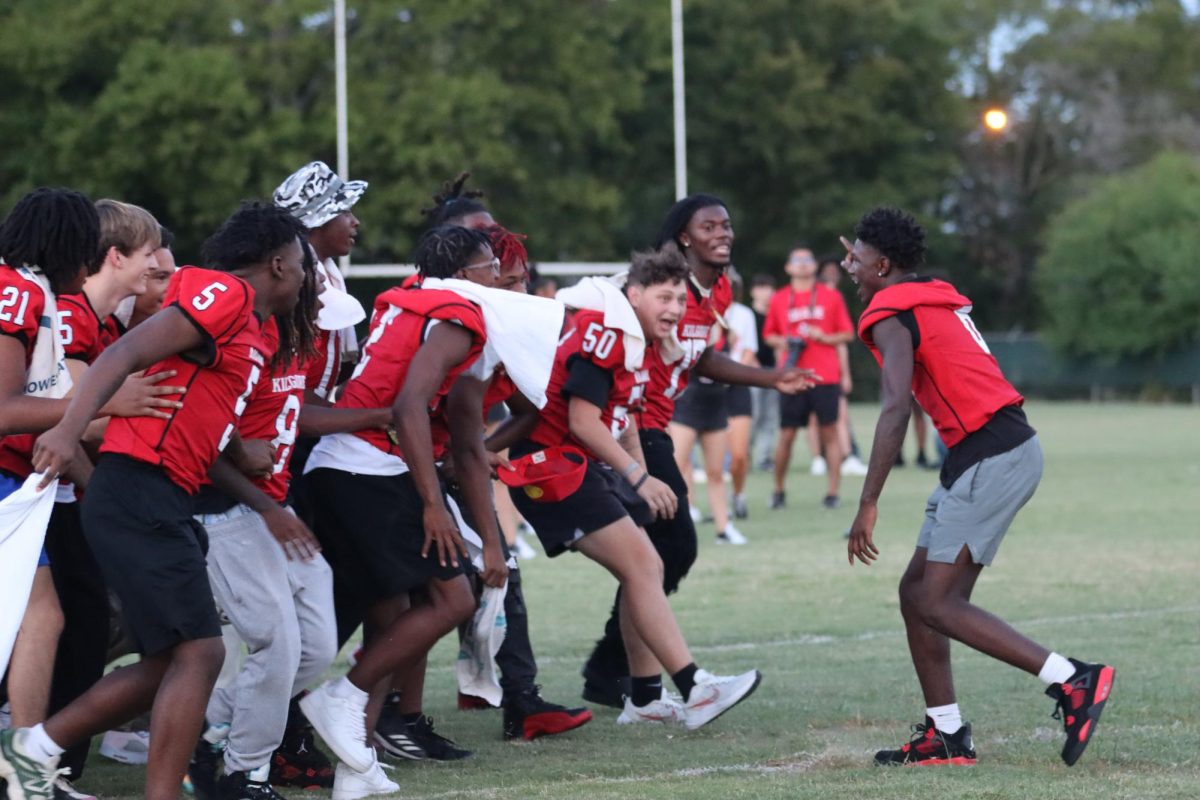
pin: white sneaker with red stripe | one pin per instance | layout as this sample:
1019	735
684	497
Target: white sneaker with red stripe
713	695
666	709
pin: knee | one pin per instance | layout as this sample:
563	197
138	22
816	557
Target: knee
910	596
43	616
459	604
318	648
202	655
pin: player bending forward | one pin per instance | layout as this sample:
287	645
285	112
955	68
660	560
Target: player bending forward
920	331
598	381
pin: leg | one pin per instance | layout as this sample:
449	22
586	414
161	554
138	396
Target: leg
683	439
783	456
518	666
843	425
115	699
33	652
816	446
929	649
833	456
714	444
739	452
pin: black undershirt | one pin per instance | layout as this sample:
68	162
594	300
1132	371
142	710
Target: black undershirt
588	381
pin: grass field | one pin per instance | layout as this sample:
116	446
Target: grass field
1104	564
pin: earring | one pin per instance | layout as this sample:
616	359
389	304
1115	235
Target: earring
881	273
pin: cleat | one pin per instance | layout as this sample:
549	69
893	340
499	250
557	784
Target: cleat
778	500
298	762
341	723
713	695
351	785
929	747
412	741
1079	703
527	716
27	779
666	709
731	535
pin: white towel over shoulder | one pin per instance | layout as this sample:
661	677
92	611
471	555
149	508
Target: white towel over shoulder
607	295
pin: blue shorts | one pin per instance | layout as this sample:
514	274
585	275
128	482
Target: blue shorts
9	484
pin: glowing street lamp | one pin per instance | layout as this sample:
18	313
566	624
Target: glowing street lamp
995	120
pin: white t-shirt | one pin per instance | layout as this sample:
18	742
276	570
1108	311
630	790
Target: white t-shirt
743	330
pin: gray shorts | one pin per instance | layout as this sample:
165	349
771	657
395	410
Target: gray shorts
977	510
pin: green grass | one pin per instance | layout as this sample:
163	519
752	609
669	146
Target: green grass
1103	564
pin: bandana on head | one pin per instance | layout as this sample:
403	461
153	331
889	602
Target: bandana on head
314	194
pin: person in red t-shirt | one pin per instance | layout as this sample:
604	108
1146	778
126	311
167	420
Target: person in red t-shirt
920	331
595	392
806	323
137	512
700	226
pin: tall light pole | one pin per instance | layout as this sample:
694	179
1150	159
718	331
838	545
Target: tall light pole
680	118
339	68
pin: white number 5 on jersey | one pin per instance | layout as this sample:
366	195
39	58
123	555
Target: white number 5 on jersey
208	295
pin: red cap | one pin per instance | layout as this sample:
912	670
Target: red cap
549	475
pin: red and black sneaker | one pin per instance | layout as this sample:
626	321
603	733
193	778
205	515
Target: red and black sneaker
469	702
298	762
930	747
1079	704
528	716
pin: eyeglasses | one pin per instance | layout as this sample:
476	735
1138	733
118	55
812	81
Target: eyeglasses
493	264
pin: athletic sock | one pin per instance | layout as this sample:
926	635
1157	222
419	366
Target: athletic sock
646	690
344	689
947	719
260	774
685	679
40	747
1056	670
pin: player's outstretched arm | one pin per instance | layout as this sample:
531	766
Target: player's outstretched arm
319	420
464	413
717	366
895	344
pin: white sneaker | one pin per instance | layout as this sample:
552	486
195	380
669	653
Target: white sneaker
818	467
853	465
525	550
126	747
695	512
341	721
731	535
699	476
351	785
64	790
665	709
713	695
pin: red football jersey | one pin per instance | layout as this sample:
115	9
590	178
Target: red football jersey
219	382
667	381
83	333
321	371
793	314
499	389
21	307
591	341
273	413
399	326
955	377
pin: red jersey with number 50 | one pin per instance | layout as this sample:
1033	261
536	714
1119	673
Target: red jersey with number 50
604	347
955	377
219	378
667	381
400	324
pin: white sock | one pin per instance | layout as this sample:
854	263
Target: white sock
1056	670
261	774
947	719
40	746
343	688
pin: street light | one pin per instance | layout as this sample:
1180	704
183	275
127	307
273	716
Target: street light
995	120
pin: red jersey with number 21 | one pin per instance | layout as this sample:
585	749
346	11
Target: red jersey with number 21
219	377
667	381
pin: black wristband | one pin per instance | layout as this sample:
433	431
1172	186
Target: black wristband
641	480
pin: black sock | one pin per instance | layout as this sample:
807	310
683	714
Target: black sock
646	690
685	679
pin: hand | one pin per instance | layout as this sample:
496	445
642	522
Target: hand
293	535
53	453
495	570
140	396
660	497
861	543
441	530
793	380
255	458
497	461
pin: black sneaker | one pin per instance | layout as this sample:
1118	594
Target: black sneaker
1079	704
605	688
298	762
202	769
831	501
414	741
778	501
527	716
929	747
239	786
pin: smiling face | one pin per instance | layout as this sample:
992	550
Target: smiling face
708	236
863	264
150	301
133	270
659	307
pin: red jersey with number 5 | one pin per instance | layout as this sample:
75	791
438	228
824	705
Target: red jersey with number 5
667	381
955	376
219	376
604	349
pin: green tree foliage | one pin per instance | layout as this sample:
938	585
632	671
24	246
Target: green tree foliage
1118	277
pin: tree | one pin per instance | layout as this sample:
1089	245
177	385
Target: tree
1118	275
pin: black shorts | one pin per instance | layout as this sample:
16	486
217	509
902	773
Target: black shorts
794	409
378	522
603	498
702	407
151	551
738	402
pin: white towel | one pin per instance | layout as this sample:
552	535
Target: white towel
47	375
342	310
608	295
522	332
24	515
